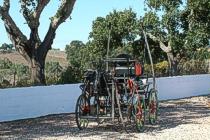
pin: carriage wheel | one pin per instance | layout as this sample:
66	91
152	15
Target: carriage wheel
153	106
139	113
82	109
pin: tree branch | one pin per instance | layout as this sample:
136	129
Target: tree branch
32	15
162	45
18	39
6	5
41	5
62	14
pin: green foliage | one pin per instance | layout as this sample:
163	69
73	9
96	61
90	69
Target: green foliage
74	53
126	37
53	72
21	70
123	30
6	48
152	22
28	6
200	54
197	14
5	84
188	27
193	67
166	26
70	75
161	69
12	72
185	67
5	64
163	4
23	82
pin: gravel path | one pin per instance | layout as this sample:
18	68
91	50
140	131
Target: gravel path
183	119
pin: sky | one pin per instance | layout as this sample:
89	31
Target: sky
79	27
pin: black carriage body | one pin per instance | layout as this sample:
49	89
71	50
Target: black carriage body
96	82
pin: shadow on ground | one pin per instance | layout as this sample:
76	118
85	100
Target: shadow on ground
172	113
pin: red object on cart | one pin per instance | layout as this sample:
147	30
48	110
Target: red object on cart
138	69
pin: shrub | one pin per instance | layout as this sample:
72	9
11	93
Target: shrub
161	69
5	63
23	83
70	75
5	84
193	67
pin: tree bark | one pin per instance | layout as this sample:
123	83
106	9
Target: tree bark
172	61
172	64
38	70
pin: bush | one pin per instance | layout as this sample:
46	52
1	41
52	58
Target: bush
5	63
70	75
53	71
51	80
23	83
193	67
161	69
5	84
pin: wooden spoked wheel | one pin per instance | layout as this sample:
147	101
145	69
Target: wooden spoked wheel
139	113
153	106
82	109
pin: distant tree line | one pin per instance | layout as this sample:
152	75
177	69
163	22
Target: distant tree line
6	48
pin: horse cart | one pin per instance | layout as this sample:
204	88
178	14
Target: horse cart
120	92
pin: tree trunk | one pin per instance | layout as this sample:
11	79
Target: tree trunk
172	64
14	78
37	72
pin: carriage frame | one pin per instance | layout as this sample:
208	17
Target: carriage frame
121	92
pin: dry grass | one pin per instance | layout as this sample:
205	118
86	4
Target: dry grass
56	56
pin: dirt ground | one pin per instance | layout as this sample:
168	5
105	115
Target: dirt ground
182	119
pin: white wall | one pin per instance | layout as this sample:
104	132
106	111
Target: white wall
183	86
20	103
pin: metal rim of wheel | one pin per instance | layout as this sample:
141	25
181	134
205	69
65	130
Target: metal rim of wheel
81	110
153	107
139	114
